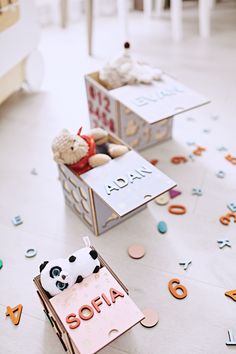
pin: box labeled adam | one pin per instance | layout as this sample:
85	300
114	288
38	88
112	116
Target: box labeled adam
141	115
91	314
106	195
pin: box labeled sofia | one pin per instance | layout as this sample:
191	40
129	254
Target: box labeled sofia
109	194
90	315
141	115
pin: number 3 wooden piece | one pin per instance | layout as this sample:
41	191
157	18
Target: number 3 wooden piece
173	289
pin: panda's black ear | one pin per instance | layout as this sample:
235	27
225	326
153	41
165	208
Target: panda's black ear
93	254
72	259
42	266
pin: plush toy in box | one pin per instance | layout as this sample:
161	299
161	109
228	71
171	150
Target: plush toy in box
119	185
137	102
89	313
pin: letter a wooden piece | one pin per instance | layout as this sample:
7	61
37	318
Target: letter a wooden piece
232	294
15	313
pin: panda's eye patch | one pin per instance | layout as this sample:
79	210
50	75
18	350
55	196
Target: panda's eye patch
55	271
61	286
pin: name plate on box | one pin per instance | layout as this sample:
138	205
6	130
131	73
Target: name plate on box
127	182
96	311
160	100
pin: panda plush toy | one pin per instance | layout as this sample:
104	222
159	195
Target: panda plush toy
60	274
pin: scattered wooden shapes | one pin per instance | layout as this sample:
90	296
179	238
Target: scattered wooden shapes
173	289
185	264
17	220
34	172
197	191
177	209
162	199
198	151
30	253
220	174
226	219
222	148
174	193
231	340
223	243
232	207
231	294
151	318
1	263
136	251
176	160
154	162
162	227
14	313
231	159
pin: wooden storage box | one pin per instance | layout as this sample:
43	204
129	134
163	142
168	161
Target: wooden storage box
96	329
108	194
141	115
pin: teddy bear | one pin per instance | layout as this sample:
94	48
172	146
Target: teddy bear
84	152
60	274
127	70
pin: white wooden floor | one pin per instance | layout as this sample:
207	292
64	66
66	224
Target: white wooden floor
197	324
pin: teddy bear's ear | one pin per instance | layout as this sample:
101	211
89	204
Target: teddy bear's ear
65	132
57	157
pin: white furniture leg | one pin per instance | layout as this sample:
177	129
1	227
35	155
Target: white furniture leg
123	9
147	8
159	7
176	19
89	19
204	17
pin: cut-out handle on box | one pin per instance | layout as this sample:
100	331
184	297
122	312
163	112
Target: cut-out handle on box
113	332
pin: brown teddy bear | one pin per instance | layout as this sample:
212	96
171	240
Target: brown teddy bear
84	152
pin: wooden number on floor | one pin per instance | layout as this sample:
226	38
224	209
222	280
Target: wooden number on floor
173	289
14	313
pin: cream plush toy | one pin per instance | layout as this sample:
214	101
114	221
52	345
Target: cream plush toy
127	70
83	152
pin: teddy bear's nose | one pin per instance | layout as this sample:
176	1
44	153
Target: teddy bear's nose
63	277
72	148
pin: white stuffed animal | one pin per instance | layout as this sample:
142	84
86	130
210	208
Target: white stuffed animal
126	70
60	274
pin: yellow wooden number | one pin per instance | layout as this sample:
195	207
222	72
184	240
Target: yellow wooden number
178	286
14	313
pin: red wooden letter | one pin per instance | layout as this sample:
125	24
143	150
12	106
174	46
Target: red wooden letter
106	299
96	303
71	318
114	294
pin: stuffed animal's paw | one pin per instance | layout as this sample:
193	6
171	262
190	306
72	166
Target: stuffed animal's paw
98	133
98	160
117	150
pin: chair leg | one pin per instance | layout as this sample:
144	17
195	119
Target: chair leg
147	8
122	6
176	8
89	19
204	17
